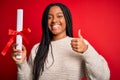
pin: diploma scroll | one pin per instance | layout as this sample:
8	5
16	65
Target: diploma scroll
19	27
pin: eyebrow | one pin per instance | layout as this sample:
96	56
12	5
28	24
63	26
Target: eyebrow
57	13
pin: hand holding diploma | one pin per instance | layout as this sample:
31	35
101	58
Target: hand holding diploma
78	44
17	52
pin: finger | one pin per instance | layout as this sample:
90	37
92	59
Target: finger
75	46
17	60
79	33
14	56
23	48
75	43
17	52
14	47
75	40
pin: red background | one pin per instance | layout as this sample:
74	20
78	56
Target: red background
99	22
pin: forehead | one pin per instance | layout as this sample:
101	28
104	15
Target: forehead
55	9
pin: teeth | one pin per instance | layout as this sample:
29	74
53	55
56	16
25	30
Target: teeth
55	26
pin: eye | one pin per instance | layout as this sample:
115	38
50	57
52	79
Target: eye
49	17
60	16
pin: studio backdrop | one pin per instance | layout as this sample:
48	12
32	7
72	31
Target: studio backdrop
99	21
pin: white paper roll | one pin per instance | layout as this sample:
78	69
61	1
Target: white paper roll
19	27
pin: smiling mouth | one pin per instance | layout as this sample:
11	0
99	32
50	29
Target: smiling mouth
56	26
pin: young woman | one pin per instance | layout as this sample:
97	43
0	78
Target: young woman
59	56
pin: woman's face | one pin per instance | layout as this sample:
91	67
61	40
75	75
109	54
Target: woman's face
56	21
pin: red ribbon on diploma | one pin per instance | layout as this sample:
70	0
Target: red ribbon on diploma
13	34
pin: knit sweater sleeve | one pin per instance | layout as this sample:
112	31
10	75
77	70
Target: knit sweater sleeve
25	68
96	67
24	71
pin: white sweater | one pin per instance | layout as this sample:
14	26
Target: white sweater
68	64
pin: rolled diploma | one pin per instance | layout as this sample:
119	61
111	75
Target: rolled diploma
19	28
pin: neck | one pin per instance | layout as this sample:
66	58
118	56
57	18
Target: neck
57	37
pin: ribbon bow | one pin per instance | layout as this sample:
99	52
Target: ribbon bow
13	34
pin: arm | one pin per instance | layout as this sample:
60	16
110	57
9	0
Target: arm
96	67
25	68
24	71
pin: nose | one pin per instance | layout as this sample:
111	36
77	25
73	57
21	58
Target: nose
54	19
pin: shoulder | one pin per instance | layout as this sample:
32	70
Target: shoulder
35	46
34	50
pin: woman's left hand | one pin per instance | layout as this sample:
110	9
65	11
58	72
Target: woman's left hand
78	44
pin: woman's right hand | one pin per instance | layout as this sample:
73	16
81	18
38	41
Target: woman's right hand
16	52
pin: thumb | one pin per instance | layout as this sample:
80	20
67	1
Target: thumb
79	34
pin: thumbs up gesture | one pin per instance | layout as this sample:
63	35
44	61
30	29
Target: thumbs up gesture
78	44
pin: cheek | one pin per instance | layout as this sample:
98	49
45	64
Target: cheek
48	22
64	24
